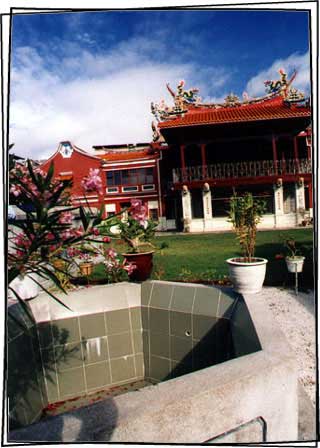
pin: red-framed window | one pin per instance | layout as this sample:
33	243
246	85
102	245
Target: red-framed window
135	176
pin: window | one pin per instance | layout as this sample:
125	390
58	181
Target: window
113	178
148	187
112	190
136	176
153	214
148	176
128	189
110	180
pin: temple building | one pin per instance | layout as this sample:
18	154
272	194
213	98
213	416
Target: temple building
262	145
203	152
127	171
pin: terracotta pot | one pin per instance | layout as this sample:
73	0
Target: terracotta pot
58	264
247	277
144	263
86	268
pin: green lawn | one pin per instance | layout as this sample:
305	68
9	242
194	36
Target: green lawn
202	257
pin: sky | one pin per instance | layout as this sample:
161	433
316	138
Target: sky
89	77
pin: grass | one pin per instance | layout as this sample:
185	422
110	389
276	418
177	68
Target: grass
202	257
205	254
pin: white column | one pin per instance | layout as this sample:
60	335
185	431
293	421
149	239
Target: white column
207	207
186	209
300	200
278	202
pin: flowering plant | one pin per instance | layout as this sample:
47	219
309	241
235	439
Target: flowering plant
47	233
117	270
136	230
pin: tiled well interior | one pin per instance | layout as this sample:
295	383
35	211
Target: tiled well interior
184	328
177	329
91	352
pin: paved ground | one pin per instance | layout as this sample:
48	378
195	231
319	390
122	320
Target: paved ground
295	314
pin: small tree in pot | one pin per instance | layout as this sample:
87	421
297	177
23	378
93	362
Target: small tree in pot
294	260
247	272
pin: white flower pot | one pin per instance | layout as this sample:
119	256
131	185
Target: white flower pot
247	278
25	287
295	264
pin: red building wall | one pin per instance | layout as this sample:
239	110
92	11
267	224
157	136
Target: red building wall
75	163
76	166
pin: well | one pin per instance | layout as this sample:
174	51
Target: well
220	370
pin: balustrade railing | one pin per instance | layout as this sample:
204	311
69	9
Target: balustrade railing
253	168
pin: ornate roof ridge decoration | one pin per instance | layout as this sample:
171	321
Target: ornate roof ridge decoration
188	100
182	99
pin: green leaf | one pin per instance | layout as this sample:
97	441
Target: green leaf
84	219
49	175
51	275
98	219
32	175
23	304
52	295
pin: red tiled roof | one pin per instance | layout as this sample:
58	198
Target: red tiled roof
271	109
127	156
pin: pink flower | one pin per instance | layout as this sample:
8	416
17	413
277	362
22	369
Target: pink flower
84	256
50	236
106	239
111	253
73	252
40	172
136	203
93	181
96	231
15	190
66	218
79	232
129	267
139	212
67	234
22	244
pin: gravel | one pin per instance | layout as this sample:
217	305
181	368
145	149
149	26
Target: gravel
295	315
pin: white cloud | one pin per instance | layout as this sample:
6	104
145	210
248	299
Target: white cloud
301	63
106	108
94	98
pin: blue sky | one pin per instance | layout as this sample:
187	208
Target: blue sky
90	76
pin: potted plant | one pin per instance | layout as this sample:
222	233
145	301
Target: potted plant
247	273
136	230
294	260
86	264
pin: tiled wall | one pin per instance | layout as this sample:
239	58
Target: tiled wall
185	328
25	383
178	328
87	353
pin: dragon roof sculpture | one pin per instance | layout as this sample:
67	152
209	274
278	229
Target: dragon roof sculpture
185	100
